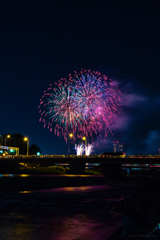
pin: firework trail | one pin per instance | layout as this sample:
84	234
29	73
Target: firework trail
79	149
86	105
89	149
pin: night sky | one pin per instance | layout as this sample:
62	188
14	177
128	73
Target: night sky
43	41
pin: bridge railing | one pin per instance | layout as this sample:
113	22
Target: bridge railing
81	156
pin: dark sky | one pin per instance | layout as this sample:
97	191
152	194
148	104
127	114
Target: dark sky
43	41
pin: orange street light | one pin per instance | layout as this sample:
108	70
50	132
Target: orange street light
70	136
85	139
8	136
26	140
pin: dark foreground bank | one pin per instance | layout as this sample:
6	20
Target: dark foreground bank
140	212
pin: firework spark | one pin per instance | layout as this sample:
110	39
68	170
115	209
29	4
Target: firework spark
60	109
89	149
98	101
86	104
79	149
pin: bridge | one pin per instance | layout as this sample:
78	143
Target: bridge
77	164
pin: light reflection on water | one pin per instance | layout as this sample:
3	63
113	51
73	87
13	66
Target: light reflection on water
57	214
25	192
42	226
6	175
60	176
75	189
71	189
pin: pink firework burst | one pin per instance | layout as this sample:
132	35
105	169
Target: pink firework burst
85	104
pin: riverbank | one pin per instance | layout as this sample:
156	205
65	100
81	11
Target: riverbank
50	170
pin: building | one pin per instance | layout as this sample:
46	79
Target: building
118	147
9	150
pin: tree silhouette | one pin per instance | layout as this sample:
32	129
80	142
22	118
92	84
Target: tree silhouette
33	149
17	140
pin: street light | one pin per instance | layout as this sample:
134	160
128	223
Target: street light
70	136
8	136
26	140
85	139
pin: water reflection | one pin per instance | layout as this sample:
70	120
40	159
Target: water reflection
60	176
75	189
25	192
42	226
57	214
24	175
72	189
6	175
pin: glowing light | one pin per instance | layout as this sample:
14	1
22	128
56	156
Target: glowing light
25	192
24	175
27	140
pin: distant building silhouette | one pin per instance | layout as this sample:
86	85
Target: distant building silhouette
118	147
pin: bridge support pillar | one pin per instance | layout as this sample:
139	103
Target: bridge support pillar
77	167
128	171
111	169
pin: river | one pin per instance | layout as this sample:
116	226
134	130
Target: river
70	213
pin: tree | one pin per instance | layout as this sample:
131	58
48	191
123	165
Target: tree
33	149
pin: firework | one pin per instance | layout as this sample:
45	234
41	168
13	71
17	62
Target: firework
60	110
98	101
79	149
89	149
86	104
